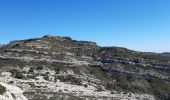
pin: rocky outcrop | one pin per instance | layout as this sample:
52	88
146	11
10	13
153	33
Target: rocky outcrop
12	93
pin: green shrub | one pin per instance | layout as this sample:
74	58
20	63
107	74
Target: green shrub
46	77
39	68
85	85
17	74
109	86
161	88
70	79
2	89
129	84
99	74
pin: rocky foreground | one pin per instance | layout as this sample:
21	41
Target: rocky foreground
64	90
11	93
59	68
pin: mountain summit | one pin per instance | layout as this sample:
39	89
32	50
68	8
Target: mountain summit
60	68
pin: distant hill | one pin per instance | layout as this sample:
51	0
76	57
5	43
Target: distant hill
1	45
166	53
53	67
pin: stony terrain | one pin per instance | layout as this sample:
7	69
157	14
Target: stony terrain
59	68
11	92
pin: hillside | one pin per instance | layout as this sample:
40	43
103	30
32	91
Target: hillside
166	54
57	68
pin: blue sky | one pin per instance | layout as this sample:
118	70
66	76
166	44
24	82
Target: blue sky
142	25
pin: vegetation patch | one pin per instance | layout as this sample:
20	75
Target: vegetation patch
160	88
70	79
2	89
99	74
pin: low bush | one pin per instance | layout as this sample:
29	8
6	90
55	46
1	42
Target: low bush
70	79
160	88
2	89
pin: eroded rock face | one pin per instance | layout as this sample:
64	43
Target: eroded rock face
12	93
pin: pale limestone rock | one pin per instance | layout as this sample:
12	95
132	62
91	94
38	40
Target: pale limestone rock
12	93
